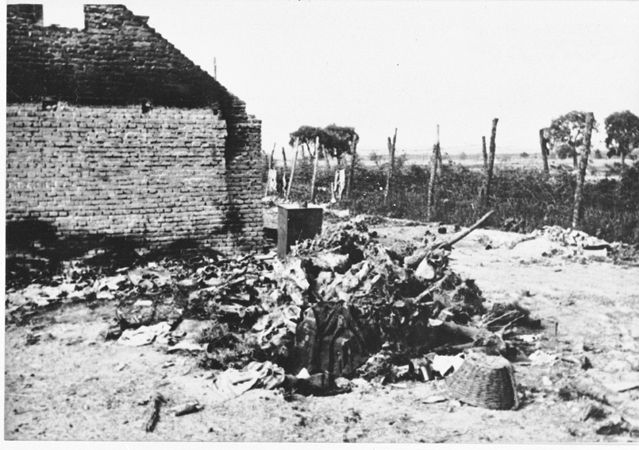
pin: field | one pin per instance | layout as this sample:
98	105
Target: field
70	384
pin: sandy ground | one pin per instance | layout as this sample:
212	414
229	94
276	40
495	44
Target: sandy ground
72	385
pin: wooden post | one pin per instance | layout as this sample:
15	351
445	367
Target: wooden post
284	169
270	163
315	158
284	158
351	178
583	164
391	166
484	153
290	179
431	183
543	142
491	162
438	167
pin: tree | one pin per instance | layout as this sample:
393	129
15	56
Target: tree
564	151
569	130
305	136
332	140
622	129
340	140
335	140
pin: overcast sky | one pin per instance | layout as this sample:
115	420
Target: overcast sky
378	65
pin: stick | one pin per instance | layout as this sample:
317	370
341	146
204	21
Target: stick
583	164
448	244
158	400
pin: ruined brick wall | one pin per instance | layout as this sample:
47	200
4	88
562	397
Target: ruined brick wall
115	171
189	168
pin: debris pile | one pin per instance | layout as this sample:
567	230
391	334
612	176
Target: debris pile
576	243
341	305
345	297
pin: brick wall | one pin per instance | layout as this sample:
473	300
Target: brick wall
159	176
189	168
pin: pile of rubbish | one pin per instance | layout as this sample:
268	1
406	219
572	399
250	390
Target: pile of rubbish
341	306
580	240
579	243
573	244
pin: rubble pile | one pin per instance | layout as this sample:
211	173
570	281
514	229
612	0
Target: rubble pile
570	237
578	243
341	305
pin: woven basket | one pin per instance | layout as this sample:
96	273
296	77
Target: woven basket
486	381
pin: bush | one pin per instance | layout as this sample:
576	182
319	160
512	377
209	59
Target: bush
524	155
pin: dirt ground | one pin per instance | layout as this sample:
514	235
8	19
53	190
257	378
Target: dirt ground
73	385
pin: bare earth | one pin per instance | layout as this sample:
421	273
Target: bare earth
71	384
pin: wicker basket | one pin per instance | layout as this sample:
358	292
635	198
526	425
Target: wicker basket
486	381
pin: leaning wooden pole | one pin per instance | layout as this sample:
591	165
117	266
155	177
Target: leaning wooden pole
290	179
491	162
543	143
313	178
583	165
484	153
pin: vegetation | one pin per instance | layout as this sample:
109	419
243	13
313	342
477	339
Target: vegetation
524	199
622	129
567	134
335	140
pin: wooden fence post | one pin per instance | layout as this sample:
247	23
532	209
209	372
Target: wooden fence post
583	164
351	178
484	153
313	178
391	166
543	143
491	162
290	179
431	183
284	169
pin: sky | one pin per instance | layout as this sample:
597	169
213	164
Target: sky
377	65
